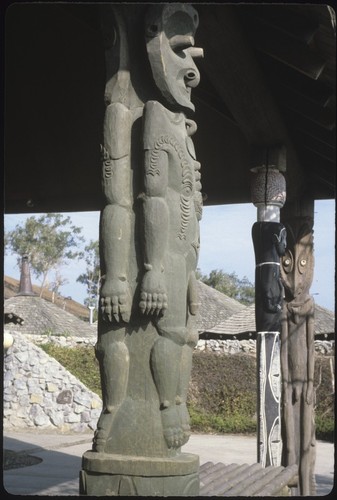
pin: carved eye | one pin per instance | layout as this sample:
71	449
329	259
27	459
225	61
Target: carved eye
302	263
287	262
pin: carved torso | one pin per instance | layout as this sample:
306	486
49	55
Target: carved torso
298	316
167	132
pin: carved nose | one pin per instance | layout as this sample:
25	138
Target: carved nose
192	78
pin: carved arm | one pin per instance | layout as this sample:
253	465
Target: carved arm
156	226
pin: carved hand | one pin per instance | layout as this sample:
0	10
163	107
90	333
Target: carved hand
153	293
116	300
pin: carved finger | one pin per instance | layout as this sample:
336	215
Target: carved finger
102	308
125	313
149	303
107	308
115	305
154	302
164	301
142	303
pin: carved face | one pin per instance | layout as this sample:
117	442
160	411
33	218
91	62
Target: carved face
169	32
298	262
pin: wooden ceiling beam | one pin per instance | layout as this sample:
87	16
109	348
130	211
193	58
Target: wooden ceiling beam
286	48
279	74
322	148
233	71
311	128
324	116
281	17
283	88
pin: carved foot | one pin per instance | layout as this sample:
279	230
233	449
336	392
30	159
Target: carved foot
102	432
153	294
116	300
172	429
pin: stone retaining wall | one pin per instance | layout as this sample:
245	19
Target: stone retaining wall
40	393
323	347
229	346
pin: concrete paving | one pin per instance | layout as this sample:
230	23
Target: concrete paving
58	473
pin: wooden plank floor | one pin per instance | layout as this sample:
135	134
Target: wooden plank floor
245	480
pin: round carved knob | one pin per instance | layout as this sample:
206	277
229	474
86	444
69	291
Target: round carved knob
268	187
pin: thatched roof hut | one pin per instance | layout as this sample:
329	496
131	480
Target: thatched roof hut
242	324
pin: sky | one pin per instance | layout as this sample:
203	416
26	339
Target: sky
226	244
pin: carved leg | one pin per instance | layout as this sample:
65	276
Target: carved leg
185	373
307	453
184	377
289	428
115	292
114	362
165	362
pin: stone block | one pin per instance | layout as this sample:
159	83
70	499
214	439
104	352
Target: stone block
51	387
36	398
117	475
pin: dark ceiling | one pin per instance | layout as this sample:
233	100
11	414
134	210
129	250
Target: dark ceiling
267	79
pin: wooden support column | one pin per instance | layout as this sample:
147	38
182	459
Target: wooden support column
149	246
269	237
297	344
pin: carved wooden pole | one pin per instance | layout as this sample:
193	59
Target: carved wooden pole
149	246
297	345
269	237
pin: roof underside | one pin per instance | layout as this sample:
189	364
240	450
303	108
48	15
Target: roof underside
267	78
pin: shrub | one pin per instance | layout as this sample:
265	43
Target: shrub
80	361
222	391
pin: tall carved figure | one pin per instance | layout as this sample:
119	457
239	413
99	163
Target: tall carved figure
269	243
149	245
297	352
269	238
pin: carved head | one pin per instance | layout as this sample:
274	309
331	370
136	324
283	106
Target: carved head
297	264
169	33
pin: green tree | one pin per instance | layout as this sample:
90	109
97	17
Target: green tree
92	276
49	240
241	290
59	281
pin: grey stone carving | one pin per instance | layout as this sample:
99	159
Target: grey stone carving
297	353
149	241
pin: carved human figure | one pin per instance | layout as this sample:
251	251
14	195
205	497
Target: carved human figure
123	110
269	244
169	189
297	353
172	209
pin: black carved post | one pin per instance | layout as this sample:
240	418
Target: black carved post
269	238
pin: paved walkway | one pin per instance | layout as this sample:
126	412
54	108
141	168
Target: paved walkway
58	473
